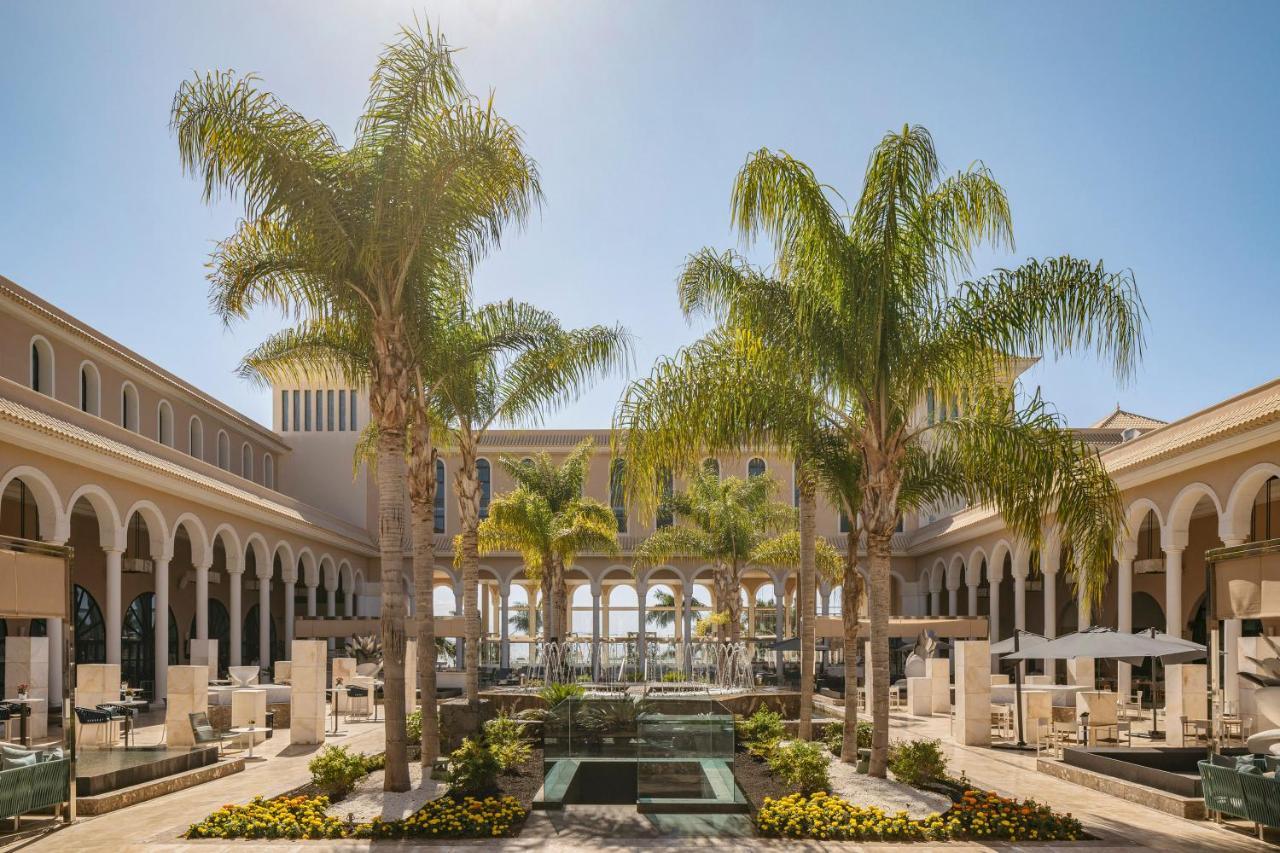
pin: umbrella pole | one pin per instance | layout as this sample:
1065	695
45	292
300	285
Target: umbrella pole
1017	690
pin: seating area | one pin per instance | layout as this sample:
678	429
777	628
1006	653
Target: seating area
31	781
1245	788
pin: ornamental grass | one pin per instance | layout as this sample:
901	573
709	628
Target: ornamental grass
978	815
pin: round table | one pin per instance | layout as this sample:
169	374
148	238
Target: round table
250	731
22	721
128	728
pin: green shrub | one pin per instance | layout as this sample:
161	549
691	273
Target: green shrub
763	749
802	765
377	761
917	762
833	736
413	727
763	725
473	769
505	736
673	675
336	770
554	694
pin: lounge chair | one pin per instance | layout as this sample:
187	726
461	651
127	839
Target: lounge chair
104	723
204	732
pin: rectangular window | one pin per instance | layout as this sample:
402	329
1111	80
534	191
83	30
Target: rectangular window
306	411
342	411
284	411
319	411
931	406
353	410
328	403
297	422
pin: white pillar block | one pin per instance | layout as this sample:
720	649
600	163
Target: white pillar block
26	661
1186	694
306	697
188	694
938	670
1173	591
97	684
1082	671
249	708
205	653
113	608
920	696
973	693
1036	707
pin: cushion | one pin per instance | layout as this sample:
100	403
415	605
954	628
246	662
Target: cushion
53	754
11	761
1249	770
9	750
1245	763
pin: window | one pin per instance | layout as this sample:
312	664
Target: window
319	411
352	423
306	411
268	471
485	477
844	522
617	474
224	451
328	403
129	407
342	411
90	389
711	466
930	406
246	461
195	438
755	467
666	488
297	422
91	631
164	423
41	366
284	411
441	485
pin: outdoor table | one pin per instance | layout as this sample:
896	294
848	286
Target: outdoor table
250	731
128	723
333	696
23	736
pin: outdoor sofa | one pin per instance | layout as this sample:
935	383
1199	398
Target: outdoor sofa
32	780
1239	788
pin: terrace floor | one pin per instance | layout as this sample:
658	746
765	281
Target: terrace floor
154	827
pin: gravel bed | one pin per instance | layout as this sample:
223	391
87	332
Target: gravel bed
367	800
887	794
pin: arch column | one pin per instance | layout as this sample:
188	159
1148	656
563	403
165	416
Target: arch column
57	642
953	598
331	602
994	582
642	650
161	627
237	627
1050	558
1232	630
114	605
350	603
202	602
264	622
1173	589
311	599
972	587
779	601
595	632
1124	612
504	625
289	588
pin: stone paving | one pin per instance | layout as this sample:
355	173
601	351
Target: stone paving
154	827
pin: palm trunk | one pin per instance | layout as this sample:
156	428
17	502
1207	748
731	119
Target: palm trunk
424	569
560	600
878	553
550	631
806	587
391	529
733	601
468	487
851	592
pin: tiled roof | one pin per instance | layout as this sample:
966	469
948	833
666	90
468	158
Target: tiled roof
544	438
289	510
1121	420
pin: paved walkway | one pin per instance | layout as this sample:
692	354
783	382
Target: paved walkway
155	827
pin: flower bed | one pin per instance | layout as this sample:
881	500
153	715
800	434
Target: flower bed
304	818
978	815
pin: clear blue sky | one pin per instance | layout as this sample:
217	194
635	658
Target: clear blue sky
1140	134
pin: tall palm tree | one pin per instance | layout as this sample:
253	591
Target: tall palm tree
882	316
433	174
544	366
549	522
666	616
721	522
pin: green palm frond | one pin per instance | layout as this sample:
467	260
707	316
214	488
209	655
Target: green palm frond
784	552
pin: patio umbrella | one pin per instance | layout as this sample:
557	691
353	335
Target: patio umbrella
1020	640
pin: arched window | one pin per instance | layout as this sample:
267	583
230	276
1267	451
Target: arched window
441	486
224	451
246	461
220	630
755	467
485	476
41	366
250	646
617	474
666	489
90	389
137	641
268	471
129	407
164	423
91	631
711	466
195	438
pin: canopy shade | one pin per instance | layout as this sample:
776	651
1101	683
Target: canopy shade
1248	586
33	584
1193	651
1026	640
1106	644
792	644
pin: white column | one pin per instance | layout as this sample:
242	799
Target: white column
642	651
779	601
332	602
973	599
264	622
289	587
1049	569
993	618
1173	591
1231	632
202	602
161	630
57	646
351	603
936	597
1124	616
237	624
504	627
311	601
113	608
1084	609
595	634
952	599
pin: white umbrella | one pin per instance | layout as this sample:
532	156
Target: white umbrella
1104	644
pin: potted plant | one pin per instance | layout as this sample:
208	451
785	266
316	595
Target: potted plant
22	691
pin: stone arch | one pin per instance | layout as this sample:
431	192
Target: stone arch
201	545
347	578
284	551
327	573
110	527
157	529
955	571
937	577
54	525
231	547
1003	548
1174	533
1136	513
261	553
307	560
1233	522
973	566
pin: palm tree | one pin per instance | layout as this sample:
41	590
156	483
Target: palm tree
881	317
721	522
549	522
540	366
666	617
433	175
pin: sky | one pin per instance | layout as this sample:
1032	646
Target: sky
1139	134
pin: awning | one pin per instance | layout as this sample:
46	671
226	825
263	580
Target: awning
1248	586
33	585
